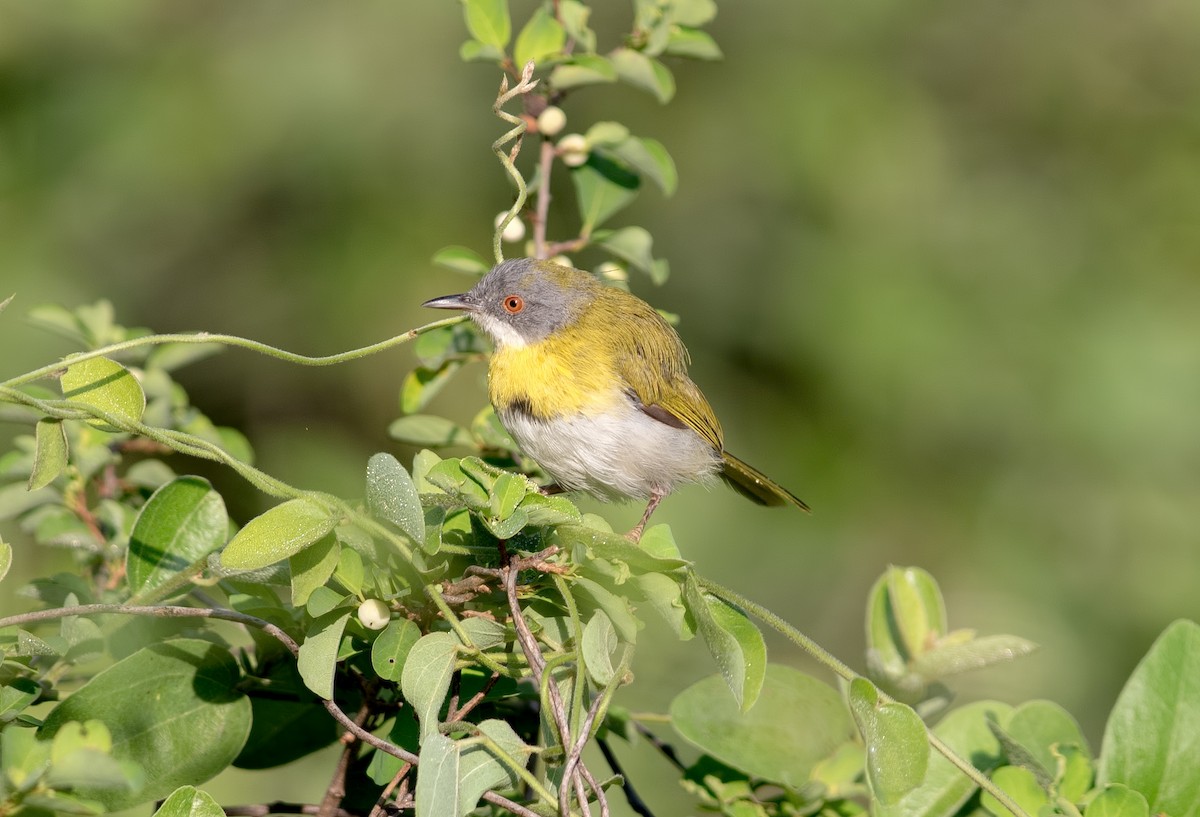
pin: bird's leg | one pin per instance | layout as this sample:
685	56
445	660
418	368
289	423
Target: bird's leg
636	533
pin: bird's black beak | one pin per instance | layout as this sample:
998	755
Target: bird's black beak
451	302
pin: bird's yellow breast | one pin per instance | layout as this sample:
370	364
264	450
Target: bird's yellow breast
556	377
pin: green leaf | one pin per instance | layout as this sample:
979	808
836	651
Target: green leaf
693	13
60	321
663	593
15	696
604	134
174	708
422	384
640	71
1074	772
392	496
425	678
549	510
1150	741
574	16
5	558
632	244
945	660
505	529
488	21
50	453
599	641
1039	726
105	385
480	771
689	42
582	69
350	572
1021	785
429	430
319	652
392	646
649	158
188	801
798	722
437	793
1118	801
483	634
462	259
917	609
278	534
450	476
603	188
172	356
614	548
312	567
592	596
945	789
473	50
542	37
181	523
734	641
897	750
507	493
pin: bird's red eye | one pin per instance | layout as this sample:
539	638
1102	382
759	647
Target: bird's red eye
513	304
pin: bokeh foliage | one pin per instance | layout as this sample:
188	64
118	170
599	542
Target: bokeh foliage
936	265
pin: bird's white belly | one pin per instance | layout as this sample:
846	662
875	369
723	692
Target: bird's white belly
623	454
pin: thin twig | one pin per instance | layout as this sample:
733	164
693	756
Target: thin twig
508	159
545	165
378	809
230	340
337	785
631	796
537	665
666	749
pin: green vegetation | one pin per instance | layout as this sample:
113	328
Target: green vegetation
475	639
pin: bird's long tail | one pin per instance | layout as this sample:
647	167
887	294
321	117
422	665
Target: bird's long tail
755	485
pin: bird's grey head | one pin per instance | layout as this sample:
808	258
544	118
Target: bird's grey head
524	300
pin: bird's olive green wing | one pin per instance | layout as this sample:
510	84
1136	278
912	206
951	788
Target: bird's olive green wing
652	360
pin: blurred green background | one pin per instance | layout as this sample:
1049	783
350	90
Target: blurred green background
936	262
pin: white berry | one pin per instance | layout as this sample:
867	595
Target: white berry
551	120
573	148
374	614
514	230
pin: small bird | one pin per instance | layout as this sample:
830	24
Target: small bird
593	385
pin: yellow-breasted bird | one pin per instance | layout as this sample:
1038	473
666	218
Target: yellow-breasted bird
593	385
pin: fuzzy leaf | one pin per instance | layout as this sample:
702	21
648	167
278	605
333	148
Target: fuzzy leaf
733	640
277	534
181	523
392	495
50	453
319	652
188	801
425	678
392	646
488	21
106	385
797	722
1152	738
897	751
541	38
173	708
